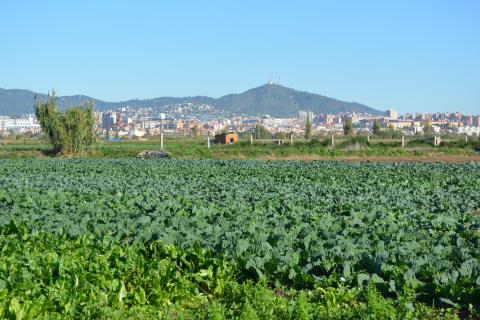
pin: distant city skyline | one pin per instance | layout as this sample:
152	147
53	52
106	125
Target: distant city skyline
409	56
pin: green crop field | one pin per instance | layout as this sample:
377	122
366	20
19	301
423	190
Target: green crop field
209	239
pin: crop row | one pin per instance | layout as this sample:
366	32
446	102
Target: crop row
402	226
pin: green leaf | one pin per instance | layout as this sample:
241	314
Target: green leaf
140	296
375	278
292	274
16	307
409	306
347	270
392	286
3	284
122	293
361	278
449	302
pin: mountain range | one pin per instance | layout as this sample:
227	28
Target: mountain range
272	99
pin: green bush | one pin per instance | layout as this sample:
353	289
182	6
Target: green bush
70	132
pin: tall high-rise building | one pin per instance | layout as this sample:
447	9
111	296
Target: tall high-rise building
119	120
329	118
469	121
305	115
392	114
108	120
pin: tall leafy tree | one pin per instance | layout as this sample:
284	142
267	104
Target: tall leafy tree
70	132
308	129
376	127
348	127
427	128
196	131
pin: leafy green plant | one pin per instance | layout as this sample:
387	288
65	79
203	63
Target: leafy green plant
252	236
70	132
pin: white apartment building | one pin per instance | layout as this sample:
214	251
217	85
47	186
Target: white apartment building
18	125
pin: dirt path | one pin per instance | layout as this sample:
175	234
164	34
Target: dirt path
439	158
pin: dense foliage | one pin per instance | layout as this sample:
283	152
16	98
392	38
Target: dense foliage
308	129
377	127
70	131
409	231
348	127
46	276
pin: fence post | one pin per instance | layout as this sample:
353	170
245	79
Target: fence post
466	137
161	140
291	138
208	140
251	138
368	138
403	140
333	141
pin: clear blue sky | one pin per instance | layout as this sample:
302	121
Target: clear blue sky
409	55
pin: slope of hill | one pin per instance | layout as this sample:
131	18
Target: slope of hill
15	102
279	101
272	99
18	102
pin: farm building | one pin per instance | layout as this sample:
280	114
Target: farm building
226	138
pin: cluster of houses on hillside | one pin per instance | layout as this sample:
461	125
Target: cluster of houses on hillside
138	123
121	125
